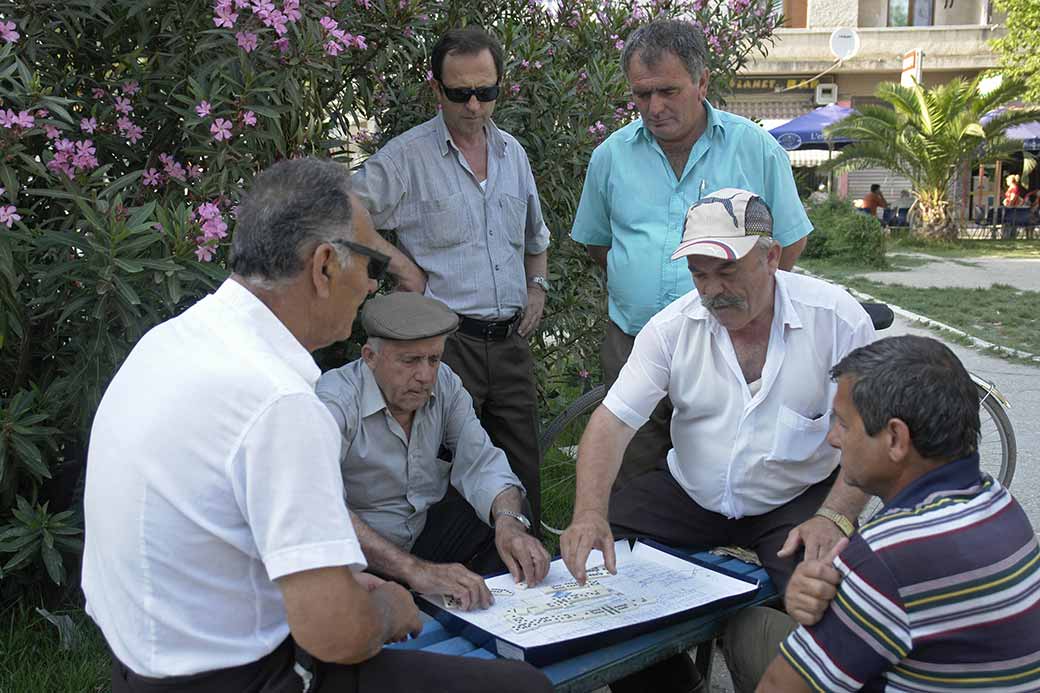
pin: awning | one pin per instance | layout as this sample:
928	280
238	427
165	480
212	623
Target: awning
807	158
807	130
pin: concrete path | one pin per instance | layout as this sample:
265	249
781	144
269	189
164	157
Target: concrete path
980	272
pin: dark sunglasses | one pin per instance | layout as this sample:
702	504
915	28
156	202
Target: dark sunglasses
483	94
377	262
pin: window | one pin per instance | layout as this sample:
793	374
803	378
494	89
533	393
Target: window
911	12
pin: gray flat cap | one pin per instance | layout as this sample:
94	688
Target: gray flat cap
404	315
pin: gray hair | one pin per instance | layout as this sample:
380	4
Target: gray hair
681	38
291	208
920	381
375	344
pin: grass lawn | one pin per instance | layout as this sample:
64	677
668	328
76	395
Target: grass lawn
33	661
967	249
1000	314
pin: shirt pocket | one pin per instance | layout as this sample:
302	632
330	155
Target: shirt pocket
444	221
797	437
514	219
434	479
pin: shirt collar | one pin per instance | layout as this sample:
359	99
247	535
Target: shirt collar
244	305
496	143
372	400
714	126
959	474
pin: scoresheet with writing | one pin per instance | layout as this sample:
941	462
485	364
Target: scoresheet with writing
649	584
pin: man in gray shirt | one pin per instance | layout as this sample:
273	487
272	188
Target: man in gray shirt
421	519
461	196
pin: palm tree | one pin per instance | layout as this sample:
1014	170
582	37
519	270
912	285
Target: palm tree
926	135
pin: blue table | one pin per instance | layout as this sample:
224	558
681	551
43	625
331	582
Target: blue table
598	668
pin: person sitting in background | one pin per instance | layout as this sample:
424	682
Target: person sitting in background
941	590
1014	195
421	519
873	200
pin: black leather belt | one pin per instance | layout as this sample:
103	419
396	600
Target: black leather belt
488	330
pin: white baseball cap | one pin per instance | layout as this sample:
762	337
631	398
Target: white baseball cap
725	224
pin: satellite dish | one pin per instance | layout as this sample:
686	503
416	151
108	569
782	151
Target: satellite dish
844	43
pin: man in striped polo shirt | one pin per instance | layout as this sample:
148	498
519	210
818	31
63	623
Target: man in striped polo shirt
942	590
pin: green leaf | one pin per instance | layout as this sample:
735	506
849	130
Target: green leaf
22	557
53	562
126	292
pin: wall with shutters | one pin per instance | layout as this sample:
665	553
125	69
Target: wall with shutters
891	183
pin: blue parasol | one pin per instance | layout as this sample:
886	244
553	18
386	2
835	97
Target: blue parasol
806	131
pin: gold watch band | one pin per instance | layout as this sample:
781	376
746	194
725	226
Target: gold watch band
844	523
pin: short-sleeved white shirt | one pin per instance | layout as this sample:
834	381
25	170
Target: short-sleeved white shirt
213	469
737	452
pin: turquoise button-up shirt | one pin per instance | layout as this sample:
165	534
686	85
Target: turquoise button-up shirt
633	203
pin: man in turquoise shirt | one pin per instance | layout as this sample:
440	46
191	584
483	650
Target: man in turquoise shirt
643	178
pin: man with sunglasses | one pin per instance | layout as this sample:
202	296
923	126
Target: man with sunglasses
461	197
220	555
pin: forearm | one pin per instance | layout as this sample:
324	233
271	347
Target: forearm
384	557
845	499
790	254
511	500
599	459
401	266
598	253
536	265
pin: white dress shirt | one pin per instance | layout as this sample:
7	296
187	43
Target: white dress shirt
213	469
738	452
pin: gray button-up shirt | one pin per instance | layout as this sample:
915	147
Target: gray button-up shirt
470	241
391	480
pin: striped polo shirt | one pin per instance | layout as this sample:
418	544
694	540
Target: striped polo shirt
940	592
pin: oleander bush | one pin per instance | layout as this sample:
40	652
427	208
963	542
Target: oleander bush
843	233
129	127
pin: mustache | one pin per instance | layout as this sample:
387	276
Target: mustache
723	301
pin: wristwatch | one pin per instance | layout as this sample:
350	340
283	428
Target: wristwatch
844	523
516	516
539	281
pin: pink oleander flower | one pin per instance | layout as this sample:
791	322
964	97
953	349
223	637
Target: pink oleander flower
8	118
53	133
328	23
583	374
247	41
538	64
204	253
9	215
123	105
367	4
525	64
331	3
333	48
172	169
225	17
221	129
202	109
241	4
98	93
515	89
281	44
291	10
43	113
408	33
88	125
134	134
151	177
249	118
194	171
214	229
132	87
25	119
84	158
207	210
582	76
360	43
9	35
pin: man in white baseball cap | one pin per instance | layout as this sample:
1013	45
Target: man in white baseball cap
745	359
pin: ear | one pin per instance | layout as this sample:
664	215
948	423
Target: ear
773	256
702	84
897	437
322	259
369	355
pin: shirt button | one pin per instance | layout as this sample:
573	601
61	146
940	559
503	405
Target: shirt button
496	268
491	232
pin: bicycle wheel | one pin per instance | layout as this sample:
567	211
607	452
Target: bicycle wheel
997	448
559	446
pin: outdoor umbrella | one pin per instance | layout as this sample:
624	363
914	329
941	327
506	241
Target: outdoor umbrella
806	131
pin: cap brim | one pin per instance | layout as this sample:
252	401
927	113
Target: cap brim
732	248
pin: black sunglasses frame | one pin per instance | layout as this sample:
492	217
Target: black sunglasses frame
377	261
483	94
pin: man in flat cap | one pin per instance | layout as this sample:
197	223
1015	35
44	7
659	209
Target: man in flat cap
745	358
433	502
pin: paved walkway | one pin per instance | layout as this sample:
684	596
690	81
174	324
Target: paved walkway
980	272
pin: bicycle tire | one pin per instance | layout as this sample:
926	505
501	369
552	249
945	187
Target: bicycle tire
991	405
584	405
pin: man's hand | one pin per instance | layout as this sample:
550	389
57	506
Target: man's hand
589	530
533	314
812	587
818	534
412	278
453	579
524	556
369	581
402	616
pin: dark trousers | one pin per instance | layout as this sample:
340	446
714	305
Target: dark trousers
499	376
650	445
407	671
655	506
454	534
